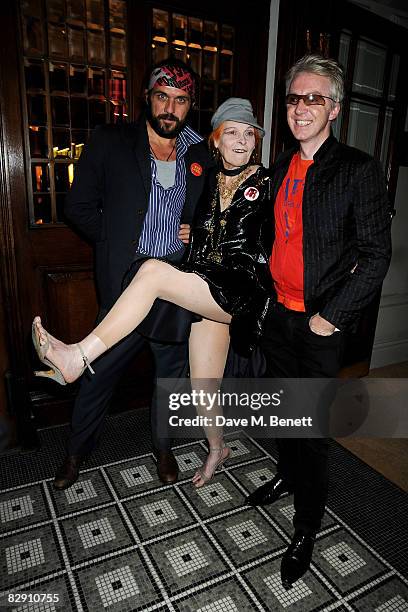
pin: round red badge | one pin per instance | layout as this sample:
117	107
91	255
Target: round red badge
196	169
251	193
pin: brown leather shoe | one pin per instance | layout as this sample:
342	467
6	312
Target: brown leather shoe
167	467
68	472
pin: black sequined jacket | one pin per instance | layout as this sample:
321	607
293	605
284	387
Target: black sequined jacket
231	249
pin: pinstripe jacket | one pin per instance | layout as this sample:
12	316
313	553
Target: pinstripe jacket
346	230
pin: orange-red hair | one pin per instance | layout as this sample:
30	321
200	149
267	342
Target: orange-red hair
216	135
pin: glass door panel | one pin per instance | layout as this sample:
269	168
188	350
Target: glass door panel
362	128
369	68
66	100
367	112
207	46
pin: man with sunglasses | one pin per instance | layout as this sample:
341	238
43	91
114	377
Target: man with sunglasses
330	253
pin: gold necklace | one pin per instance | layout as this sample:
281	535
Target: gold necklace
216	230
227	191
215	233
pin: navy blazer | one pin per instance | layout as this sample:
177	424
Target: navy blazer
109	198
346	230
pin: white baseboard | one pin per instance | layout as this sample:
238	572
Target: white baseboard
393	299
391	338
386	353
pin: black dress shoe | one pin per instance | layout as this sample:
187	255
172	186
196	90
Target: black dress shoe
268	492
68	472
296	560
167	467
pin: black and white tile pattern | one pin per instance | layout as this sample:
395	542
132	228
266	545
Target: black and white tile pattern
119	540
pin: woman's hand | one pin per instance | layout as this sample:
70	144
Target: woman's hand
321	326
184	233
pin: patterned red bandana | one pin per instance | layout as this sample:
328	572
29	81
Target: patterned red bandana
172	76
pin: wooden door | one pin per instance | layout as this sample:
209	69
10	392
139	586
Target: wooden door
63	72
64	68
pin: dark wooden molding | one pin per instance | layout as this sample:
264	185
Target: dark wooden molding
138	47
14	352
397	128
10	138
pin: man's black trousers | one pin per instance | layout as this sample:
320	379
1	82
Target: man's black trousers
96	390
292	350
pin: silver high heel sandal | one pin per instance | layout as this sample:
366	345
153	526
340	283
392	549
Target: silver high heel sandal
54	373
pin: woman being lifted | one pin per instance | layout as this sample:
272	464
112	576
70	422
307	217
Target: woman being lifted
224	278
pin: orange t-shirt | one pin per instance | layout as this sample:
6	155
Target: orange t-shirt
286	262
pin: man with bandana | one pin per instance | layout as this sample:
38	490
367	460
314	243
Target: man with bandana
134	194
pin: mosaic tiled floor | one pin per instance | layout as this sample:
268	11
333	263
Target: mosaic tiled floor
119	540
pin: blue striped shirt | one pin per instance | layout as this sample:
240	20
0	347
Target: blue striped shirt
159	236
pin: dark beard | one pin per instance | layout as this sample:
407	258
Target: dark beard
159	129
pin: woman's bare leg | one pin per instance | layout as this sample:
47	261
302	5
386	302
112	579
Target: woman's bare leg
155	279
208	349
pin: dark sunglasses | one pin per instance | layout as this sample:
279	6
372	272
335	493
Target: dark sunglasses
309	99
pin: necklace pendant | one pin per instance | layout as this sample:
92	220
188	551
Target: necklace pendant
215	256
